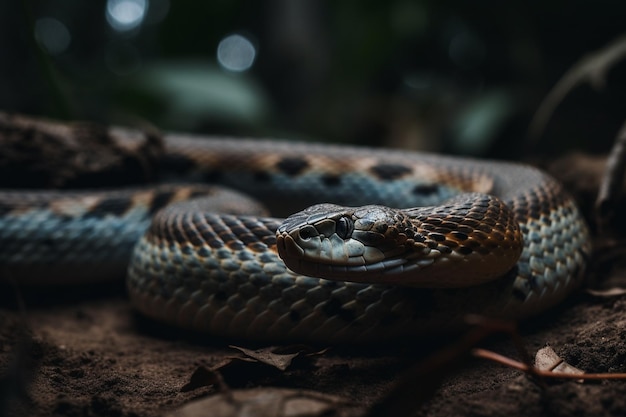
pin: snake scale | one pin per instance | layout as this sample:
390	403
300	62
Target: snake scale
483	237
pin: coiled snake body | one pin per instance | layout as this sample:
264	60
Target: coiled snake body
511	255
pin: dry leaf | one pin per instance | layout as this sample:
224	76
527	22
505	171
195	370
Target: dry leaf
268	356
263	402
610	292
546	359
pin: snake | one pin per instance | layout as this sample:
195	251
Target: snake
363	244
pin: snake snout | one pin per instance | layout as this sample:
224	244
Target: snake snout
330	241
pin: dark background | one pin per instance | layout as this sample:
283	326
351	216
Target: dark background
452	76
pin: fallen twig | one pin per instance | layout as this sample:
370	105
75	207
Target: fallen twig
612	181
512	363
591	68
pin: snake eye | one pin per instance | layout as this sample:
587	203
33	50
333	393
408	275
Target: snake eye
344	227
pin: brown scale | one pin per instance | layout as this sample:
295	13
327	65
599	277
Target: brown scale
498	232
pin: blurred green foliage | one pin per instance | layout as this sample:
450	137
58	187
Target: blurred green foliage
450	76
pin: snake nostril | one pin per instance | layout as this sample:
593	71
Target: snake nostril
307	232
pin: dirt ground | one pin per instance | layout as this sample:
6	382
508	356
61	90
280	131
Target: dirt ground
87	353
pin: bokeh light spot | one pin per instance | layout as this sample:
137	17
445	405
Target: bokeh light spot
236	53
125	15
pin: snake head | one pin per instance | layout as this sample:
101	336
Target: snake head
471	239
349	243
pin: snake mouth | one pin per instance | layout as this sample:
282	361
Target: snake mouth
355	269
